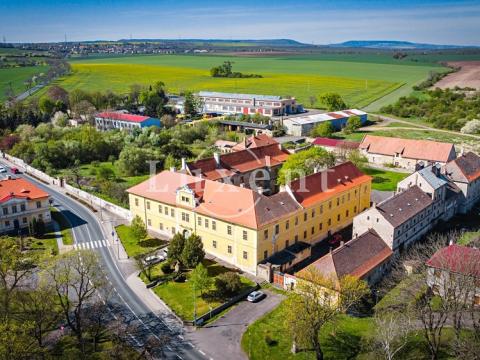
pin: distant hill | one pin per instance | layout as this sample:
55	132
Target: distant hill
220	42
392	44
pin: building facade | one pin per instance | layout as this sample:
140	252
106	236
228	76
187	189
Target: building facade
303	125
248	104
21	202
117	120
454	271
241	226
400	220
464	172
406	153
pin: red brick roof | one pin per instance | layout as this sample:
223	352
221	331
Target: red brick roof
123	117
325	184
239	162
408	148
20	189
254	142
357	257
336	143
465	168
459	259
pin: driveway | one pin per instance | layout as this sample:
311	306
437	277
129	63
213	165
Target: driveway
221	339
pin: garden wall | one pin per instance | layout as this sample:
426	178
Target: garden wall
92	200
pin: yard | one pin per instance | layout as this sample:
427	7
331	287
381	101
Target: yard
179	296
348	338
64	225
134	246
384	180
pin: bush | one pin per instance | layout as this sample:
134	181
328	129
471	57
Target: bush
166	267
180	278
138	228
228	284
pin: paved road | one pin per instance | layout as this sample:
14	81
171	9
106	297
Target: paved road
221	339
123	303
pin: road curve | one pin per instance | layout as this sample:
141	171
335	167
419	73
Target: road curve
123	301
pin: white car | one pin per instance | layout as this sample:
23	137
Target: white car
255	296
3	170
152	260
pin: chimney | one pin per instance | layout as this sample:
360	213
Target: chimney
342	243
184	164
450	242
267	161
216	156
330	250
316	169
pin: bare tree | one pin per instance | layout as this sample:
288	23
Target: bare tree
391	333
76	277
15	267
317	301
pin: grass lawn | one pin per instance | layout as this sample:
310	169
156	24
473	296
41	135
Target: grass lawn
132	246
45	246
179	296
401	125
384	180
468	236
65	226
16	77
360	81
348	338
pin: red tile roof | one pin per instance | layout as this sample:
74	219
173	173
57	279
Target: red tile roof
123	117
459	259
219	200
239	162
21	189
408	148
357	257
325	184
254	142
465	168
336	143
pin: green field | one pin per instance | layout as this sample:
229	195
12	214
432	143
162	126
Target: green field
16	77
359	80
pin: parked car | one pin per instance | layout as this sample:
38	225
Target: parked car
15	170
3	170
255	296
152	260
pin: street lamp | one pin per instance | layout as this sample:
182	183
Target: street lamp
194	306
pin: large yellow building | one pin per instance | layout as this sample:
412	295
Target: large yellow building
243	227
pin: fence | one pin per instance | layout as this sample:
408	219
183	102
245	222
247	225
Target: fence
201	319
80	194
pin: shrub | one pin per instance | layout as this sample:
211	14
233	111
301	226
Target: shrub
138	228
166	267
192	253
471	127
227	284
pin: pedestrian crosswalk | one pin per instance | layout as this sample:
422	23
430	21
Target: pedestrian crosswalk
94	244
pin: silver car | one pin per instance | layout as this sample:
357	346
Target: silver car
255	296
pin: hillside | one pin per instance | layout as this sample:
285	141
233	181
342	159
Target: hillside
393	44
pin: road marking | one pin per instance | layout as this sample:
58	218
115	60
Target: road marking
90	245
201	352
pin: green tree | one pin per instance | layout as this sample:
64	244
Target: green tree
134	161
192	253
46	105
154	99
228	284
333	101
316	302
200	279
357	158
175	248
138	228
192	104
324	129
170	162
105	173
304	163
353	124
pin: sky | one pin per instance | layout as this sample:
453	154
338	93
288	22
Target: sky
309	21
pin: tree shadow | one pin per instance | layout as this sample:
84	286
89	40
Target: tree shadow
344	345
152	242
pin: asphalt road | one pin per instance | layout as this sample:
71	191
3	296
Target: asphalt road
123	303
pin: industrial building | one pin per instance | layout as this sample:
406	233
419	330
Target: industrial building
119	120
302	125
248	104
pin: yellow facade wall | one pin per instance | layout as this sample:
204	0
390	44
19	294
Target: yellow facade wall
227	241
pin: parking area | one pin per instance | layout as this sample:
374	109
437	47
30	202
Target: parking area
221	339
